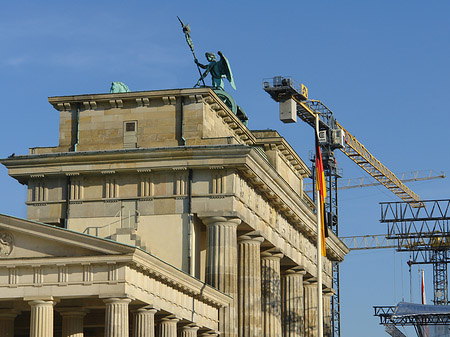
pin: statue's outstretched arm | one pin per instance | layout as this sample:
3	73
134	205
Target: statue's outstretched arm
200	65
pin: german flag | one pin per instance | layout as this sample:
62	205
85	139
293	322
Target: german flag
321	188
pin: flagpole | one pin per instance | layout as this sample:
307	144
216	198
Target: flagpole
319	253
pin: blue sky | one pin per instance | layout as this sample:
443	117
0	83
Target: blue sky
381	66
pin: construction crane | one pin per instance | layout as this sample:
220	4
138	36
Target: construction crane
293	101
404	177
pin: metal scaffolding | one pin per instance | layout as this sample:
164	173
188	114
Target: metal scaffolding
425	232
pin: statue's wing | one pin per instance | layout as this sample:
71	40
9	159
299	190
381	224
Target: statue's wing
226	70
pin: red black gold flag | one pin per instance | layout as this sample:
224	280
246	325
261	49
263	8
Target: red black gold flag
321	188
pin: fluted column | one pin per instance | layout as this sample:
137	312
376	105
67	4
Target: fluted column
7	317
144	322
249	307
310	289
116	317
41	322
271	293
221	266
292	299
72	321
189	330
168	326
327	315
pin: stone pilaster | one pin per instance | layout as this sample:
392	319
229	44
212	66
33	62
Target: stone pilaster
72	321
271	293
249	299
168	326
189	330
41	322
327	314
144	322
292	299
7	317
221	266
116	317
310	295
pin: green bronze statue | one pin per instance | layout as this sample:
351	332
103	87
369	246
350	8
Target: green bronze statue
117	87
218	70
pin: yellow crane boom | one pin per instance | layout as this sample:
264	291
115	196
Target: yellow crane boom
420	175
357	152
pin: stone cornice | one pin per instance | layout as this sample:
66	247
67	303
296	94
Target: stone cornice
289	203
118	254
167	97
184	282
64	236
144	159
91	101
271	140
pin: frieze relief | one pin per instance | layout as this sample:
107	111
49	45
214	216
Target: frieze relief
6	244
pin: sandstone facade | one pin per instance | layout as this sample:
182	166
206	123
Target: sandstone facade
169	175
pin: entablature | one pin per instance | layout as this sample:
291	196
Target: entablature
250	164
271	140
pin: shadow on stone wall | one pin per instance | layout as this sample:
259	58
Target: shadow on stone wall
271	291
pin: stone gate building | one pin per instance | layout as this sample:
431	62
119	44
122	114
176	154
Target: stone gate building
161	213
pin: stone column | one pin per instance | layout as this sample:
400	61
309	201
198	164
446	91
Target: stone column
72	321
271	293
7	317
310	291
41	322
327	315
189	330
144	322
292	299
116	317
249	299
168	326
221	266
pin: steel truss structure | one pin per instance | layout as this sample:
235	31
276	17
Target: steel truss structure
282	89
425	232
331	206
386	315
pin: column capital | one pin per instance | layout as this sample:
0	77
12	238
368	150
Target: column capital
251	237
45	302
297	270
328	291
222	220
147	309
275	253
190	327
121	300
170	318
312	281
